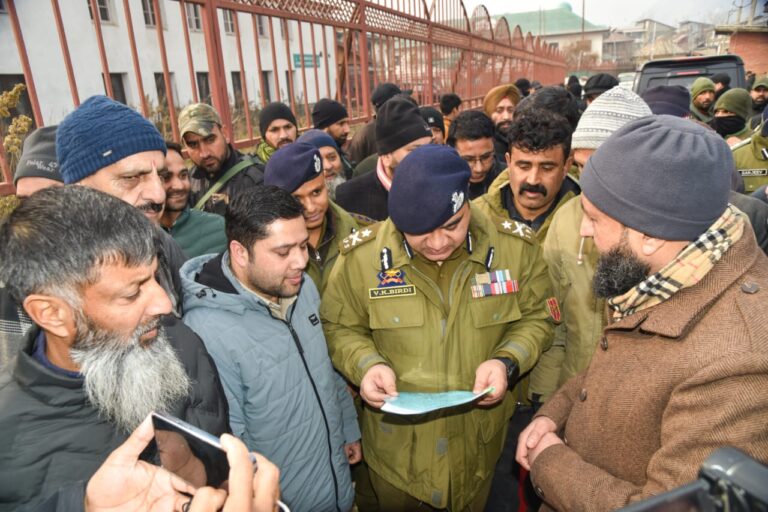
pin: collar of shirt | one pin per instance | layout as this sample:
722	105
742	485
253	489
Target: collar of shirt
39	355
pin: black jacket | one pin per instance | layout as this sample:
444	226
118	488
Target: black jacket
501	147
364	195
52	440
478	189
251	176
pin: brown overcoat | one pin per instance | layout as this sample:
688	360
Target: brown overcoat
666	387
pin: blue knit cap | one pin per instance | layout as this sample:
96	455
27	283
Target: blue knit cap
293	165
99	133
318	138
438	170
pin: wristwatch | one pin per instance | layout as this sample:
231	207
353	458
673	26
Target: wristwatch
513	371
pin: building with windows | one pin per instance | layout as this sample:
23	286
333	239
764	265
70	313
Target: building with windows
266	76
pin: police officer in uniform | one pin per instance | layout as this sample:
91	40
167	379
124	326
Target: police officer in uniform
438	297
751	158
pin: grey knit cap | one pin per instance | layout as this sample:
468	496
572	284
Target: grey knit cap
609	112
664	176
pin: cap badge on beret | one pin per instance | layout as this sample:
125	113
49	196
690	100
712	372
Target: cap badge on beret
430	119
458	201
318	164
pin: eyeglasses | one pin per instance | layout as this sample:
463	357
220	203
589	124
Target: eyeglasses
482	159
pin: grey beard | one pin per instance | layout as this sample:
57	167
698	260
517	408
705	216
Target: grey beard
618	271
333	183
124	380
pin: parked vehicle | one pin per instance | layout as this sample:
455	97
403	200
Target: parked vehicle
685	70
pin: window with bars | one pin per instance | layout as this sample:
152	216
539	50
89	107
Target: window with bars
149	13
261	24
203	87
117	80
193	17
2	6
229	21
105	13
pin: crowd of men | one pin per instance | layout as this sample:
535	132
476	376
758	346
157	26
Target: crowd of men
591	262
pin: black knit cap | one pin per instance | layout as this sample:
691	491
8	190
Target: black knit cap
523	84
433	117
438	169
398	123
673	100
721	78
327	112
273	111
599	83
384	92
38	156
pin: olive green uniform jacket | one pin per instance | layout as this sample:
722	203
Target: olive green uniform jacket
582	314
491	202
435	343
751	158
338	224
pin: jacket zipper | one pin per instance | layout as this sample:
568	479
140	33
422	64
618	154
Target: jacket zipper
320	404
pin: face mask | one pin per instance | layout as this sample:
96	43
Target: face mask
728	125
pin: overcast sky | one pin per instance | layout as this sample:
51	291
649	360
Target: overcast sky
623	13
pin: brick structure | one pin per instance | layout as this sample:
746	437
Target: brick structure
752	47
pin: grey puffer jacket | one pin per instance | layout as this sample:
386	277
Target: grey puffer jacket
285	399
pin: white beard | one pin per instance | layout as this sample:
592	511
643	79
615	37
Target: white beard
124	380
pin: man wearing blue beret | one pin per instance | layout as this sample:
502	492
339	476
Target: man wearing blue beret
438	297
298	169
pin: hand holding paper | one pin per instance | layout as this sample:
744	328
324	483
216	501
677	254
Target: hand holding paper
420	403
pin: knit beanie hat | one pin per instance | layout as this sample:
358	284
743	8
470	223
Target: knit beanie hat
318	138
384	92
661	175
609	112
100	132
700	85
599	83
399	123
722	78
38	156
737	101
673	100
523	85
497	94
273	111
326	112
433	117
434	167
293	165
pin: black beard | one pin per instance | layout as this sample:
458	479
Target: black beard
618	271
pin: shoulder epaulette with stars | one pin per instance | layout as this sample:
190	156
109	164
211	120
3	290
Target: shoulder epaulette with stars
358	238
515	228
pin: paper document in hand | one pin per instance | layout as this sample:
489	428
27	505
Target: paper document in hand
419	403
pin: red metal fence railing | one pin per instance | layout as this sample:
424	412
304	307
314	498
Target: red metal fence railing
240	54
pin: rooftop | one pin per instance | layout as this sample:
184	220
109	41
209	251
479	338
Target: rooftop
561	20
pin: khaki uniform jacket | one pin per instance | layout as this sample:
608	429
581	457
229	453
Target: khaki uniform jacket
583	314
751	162
669	385
491	204
435	343
322	257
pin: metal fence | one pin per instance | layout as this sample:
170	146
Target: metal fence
430	49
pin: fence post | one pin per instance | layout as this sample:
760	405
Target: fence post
216	72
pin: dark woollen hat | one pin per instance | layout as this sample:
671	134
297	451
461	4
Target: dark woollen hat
326	112
661	175
673	100
435	168
273	111
398	123
599	83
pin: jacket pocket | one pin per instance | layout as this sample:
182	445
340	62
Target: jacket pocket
496	310
396	313
398	329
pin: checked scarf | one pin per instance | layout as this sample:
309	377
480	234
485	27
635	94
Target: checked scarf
687	269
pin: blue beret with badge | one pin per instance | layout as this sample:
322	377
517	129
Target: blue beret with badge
293	165
430	186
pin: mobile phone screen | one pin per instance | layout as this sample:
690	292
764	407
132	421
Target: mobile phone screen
191	453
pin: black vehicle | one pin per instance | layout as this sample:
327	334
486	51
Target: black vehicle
685	70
